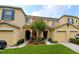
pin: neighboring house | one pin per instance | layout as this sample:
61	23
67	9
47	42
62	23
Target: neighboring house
14	25
66	28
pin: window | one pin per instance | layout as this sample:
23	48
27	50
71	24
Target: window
70	20
53	24
8	14
28	20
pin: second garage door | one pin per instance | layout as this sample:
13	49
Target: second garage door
73	33
61	36
7	36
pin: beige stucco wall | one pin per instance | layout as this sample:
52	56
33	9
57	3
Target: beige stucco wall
47	21
0	13
19	18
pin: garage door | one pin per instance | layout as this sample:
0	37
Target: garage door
72	34
61	36
6	35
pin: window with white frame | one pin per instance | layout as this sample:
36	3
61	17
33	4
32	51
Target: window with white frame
70	20
28	20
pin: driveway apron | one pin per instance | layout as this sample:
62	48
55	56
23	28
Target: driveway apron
72	46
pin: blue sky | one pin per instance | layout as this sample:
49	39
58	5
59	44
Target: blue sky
55	11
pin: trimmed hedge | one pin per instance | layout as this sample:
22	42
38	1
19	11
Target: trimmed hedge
73	40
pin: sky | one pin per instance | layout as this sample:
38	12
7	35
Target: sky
54	11
46	8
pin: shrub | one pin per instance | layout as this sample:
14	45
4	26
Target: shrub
20	42
41	39
73	40
50	40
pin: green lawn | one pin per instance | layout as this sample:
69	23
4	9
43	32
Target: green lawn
39	49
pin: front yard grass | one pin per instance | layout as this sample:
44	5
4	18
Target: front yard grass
39	49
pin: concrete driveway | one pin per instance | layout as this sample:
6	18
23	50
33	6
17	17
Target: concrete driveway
72	46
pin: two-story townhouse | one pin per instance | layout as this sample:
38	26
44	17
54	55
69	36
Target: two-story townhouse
12	20
50	22
66	28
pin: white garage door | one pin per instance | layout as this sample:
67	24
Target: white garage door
61	36
7	36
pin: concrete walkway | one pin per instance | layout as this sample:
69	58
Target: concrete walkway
47	42
20	46
72	46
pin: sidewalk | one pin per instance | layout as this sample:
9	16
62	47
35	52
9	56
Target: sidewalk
72	46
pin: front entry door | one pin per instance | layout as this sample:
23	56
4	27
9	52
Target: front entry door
45	34
27	35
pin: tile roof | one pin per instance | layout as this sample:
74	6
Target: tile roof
40	17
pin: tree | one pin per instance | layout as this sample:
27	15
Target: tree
38	26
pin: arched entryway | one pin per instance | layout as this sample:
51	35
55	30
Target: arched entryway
27	34
45	34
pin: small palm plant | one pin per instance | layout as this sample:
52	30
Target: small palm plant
38	26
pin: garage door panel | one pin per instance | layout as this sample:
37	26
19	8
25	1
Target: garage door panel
61	36
7	36
73	33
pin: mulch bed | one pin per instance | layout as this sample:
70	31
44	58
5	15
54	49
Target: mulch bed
36	43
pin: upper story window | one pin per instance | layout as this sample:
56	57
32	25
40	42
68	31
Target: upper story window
28	20
53	24
70	20
8	14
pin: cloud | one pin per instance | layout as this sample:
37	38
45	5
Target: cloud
45	11
52	10
69	6
35	13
